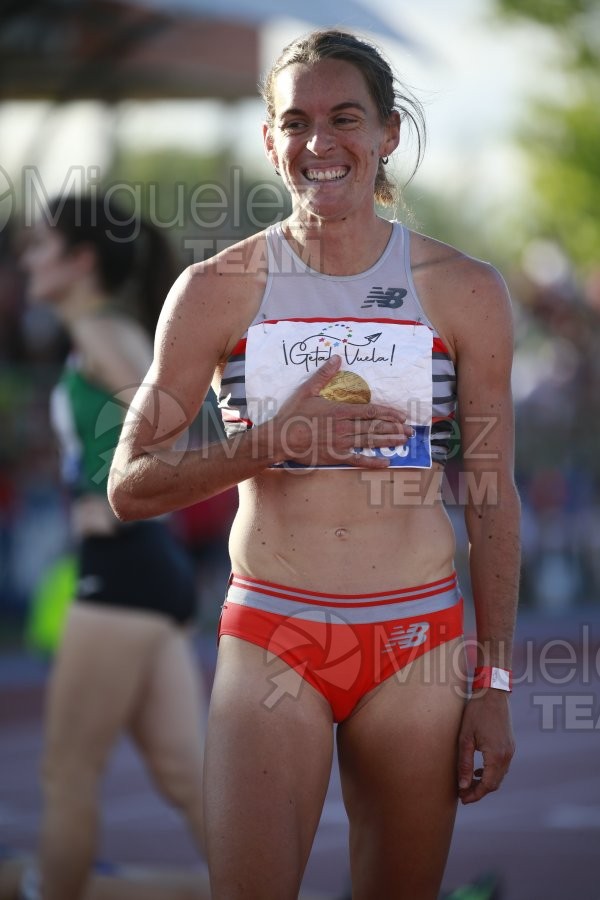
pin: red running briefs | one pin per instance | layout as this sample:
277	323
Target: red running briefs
344	645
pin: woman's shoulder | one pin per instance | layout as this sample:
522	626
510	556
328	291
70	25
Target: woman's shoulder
432	252
245	259
230	280
443	264
223	292
463	295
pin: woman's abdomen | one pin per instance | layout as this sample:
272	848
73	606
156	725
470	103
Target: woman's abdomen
347	532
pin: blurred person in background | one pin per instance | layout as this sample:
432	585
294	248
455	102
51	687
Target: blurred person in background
125	662
11	299
343	606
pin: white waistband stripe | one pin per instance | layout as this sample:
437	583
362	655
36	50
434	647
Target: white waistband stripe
384	608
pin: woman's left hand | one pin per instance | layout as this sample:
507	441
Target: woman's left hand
486	727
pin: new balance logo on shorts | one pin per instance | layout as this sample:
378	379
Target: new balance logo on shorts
402	638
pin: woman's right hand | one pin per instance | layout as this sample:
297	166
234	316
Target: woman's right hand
314	431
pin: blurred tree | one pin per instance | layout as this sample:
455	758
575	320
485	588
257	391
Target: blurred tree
204	202
562	135
447	217
574	19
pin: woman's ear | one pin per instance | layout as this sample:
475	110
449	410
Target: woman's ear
391	137
269	145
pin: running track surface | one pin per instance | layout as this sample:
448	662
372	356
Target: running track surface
540	832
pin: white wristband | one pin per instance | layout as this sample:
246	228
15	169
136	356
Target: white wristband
492	676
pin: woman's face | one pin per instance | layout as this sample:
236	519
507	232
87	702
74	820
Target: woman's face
50	265
326	138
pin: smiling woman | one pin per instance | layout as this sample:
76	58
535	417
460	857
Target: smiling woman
375	77
328	152
343	605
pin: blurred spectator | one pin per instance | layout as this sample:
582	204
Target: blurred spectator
33	525
557	389
11	300
124	663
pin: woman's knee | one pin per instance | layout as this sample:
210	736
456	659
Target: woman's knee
178	777
70	784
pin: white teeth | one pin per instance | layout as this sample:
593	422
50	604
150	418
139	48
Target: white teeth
325	174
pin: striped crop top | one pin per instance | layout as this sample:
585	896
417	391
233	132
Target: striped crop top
353	315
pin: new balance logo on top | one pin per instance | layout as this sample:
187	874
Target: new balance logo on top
402	638
391	298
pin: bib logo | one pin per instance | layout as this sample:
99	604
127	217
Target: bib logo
391	298
314	349
402	638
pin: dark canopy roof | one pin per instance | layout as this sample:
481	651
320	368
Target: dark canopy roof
147	49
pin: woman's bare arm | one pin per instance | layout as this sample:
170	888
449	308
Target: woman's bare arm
484	344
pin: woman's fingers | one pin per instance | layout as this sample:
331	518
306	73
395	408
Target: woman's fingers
328	432
317	381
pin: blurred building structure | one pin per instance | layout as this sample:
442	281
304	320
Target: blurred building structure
149	49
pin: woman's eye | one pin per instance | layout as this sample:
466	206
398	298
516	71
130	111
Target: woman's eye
292	126
345	120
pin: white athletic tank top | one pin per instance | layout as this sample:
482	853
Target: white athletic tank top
374	320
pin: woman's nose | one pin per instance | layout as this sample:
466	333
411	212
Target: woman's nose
321	140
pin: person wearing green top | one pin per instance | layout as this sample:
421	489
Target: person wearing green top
124	663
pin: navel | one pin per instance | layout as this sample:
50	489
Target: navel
342	533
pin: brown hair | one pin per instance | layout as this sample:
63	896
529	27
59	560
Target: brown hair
133	257
381	82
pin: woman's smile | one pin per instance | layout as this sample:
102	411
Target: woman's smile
326	133
334	173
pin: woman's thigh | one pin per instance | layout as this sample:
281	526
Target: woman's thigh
169	721
97	676
268	761
398	756
170	716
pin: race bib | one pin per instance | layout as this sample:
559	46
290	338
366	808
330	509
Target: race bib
392	358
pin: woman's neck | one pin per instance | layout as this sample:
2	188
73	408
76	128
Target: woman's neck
337	247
